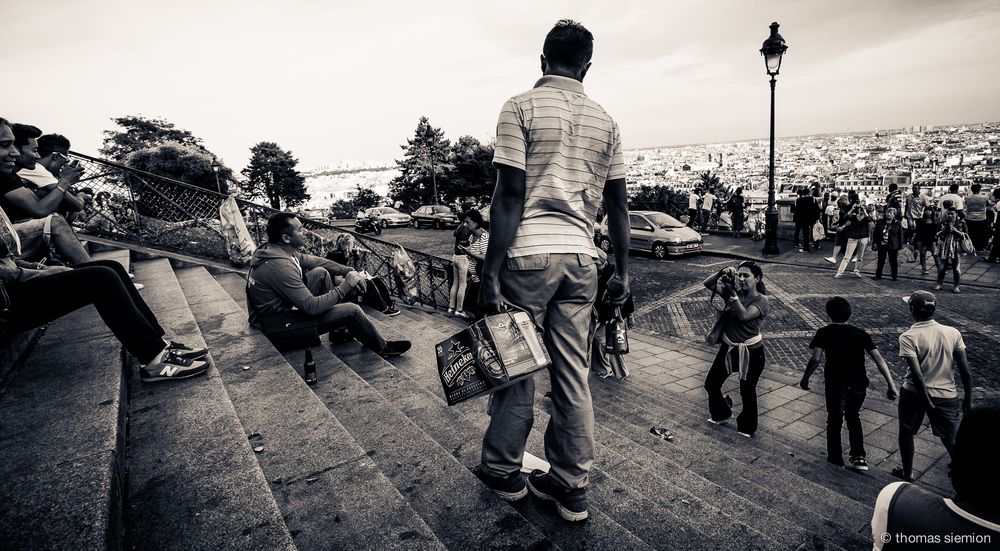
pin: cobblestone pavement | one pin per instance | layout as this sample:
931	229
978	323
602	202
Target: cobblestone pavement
674	313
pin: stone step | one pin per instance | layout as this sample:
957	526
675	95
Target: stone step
62	427
194	482
462	513
331	494
778	524
696	524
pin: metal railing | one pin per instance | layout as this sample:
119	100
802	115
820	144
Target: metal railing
138	207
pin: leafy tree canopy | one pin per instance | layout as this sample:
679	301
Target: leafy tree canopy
271	175
136	133
424	166
178	161
473	175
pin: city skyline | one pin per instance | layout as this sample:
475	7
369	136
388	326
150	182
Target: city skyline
350	81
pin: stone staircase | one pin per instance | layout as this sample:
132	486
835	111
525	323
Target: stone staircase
248	456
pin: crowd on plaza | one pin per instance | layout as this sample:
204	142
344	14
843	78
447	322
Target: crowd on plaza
539	255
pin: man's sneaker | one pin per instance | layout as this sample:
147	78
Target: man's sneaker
858	273
719	421
172	367
391	311
571	504
182	350
859	464
138	286
838	276
831	260
744	434
509	488
394	348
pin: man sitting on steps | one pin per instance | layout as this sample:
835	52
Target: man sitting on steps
282	278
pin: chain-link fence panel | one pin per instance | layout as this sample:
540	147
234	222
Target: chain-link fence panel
137	207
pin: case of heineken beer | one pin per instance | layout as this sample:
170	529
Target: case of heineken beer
492	353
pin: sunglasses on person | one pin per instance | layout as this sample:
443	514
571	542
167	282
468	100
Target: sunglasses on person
60	155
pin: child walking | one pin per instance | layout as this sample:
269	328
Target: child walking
846	380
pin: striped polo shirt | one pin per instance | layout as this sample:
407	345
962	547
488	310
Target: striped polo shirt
568	147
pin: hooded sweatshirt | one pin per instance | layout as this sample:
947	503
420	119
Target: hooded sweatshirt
277	282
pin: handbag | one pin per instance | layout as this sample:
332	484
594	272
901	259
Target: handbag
291	330
967	246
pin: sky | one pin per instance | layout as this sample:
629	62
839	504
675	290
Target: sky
348	80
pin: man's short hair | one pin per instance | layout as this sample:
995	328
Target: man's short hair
279	223
893	187
976	188
568	44
23	133
953	188
52	142
838	309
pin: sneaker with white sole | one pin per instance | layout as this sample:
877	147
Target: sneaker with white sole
172	367
859	464
508	488
831	260
391	311
182	350
571	504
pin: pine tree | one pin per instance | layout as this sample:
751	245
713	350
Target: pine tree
424	166
271	175
473	175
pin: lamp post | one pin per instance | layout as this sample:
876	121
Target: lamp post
215	169
772	50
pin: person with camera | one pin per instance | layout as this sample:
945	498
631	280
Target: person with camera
741	347
855	223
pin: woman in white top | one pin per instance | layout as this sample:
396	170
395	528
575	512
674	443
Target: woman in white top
479	238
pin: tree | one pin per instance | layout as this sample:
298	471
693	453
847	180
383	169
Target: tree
271	175
709	180
423	166
473	174
180	162
138	133
366	198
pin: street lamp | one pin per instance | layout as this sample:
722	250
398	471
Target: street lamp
215	169
772	50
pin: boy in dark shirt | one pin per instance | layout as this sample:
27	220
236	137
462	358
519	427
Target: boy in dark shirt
846	379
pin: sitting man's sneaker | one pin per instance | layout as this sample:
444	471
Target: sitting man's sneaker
391	311
394	348
571	504
182	350
171	367
509	488
859	464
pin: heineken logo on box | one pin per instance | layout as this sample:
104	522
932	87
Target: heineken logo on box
490	354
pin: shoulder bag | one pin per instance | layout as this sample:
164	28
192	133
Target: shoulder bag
288	330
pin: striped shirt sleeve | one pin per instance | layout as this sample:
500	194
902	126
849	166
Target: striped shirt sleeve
511	146
617	170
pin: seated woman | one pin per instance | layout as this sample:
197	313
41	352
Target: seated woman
39	296
376	292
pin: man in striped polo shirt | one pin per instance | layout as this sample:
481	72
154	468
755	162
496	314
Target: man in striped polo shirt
557	154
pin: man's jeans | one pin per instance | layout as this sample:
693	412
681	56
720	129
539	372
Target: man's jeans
41	237
558	291
345	314
844	402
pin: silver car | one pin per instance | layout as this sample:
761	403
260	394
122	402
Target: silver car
655	232
388	217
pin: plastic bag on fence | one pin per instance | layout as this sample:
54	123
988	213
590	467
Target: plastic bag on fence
405	273
909	255
239	243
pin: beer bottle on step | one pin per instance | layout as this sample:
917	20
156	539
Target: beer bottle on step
616	334
309	369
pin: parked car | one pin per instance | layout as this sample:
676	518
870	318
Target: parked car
437	216
387	217
655	232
